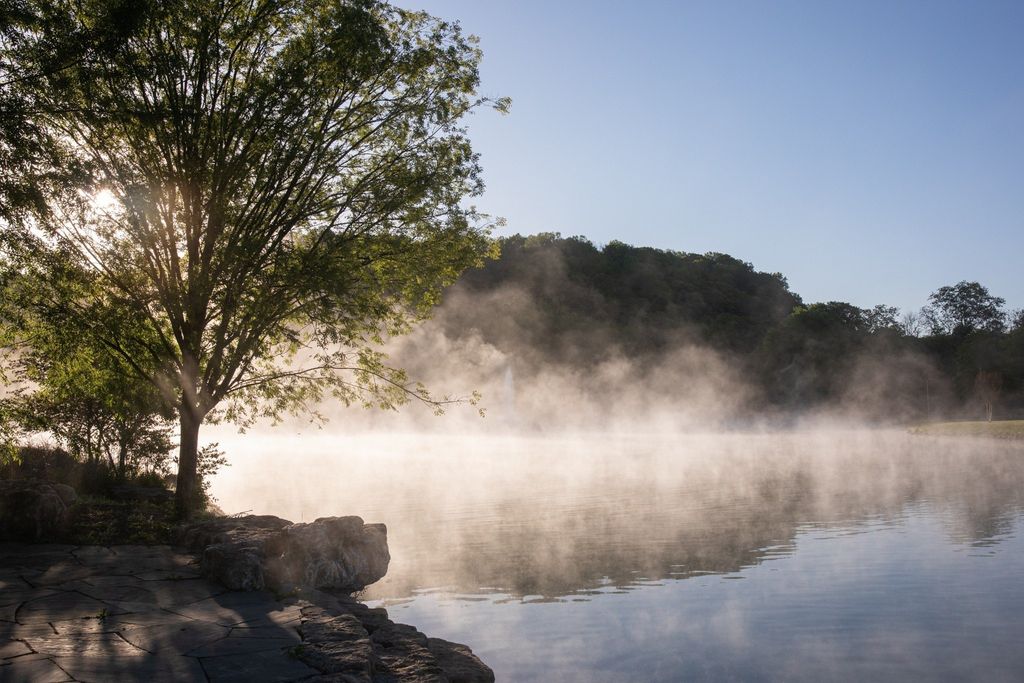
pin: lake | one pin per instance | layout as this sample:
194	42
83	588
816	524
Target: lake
831	555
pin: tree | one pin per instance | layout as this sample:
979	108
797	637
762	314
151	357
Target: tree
1016	318
586	302
33	165
988	386
286	181
64	382
912	324
965	307
883	317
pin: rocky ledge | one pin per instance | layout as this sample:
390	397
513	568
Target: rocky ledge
354	643
94	613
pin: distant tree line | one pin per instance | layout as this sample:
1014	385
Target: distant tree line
962	355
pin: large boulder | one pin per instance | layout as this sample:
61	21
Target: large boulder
33	510
235	565
198	535
255	552
340	553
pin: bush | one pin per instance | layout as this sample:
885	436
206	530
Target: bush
91	477
98	478
210	459
150	480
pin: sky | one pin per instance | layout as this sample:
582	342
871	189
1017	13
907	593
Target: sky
869	150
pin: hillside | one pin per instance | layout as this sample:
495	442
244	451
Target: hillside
550	303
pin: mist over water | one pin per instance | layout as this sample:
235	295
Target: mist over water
646	516
839	553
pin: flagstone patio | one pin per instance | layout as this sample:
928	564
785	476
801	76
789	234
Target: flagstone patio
137	613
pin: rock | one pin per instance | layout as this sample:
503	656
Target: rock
345	627
459	662
237	566
255	552
66	493
268	665
339	553
31	510
342	639
401	654
127	613
371	618
198	535
351	657
382	651
337	645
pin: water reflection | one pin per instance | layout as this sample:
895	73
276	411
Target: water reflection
830	556
565	518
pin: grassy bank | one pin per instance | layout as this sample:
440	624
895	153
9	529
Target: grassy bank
1012	430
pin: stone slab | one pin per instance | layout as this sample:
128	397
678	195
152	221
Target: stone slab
127	593
288	632
62	572
8	613
93	554
143	613
34	670
15	593
13	648
158	617
181	637
237	646
11	631
109	645
149	668
259	666
60	607
230	609
183	592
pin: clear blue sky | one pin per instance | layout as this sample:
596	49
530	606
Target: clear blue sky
870	150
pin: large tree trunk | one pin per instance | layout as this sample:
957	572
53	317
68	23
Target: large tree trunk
188	458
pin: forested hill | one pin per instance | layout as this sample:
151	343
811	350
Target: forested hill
636	299
549	299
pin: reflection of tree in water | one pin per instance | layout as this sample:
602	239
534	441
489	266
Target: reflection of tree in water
981	528
715	509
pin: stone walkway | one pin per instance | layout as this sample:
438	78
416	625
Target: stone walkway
128	613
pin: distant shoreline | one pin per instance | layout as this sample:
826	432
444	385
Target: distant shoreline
1007	430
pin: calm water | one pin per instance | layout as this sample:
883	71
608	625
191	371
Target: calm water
830	556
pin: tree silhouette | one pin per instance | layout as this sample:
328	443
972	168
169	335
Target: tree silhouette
965	307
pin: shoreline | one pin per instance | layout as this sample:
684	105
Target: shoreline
1001	430
85	613
225	599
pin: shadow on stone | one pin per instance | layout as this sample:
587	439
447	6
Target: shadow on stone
143	612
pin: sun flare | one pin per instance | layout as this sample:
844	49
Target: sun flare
104	200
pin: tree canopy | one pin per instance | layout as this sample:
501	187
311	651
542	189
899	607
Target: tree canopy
965	307
566	301
265	189
64	381
586	299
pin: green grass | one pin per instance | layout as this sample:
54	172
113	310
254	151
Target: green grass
1012	430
